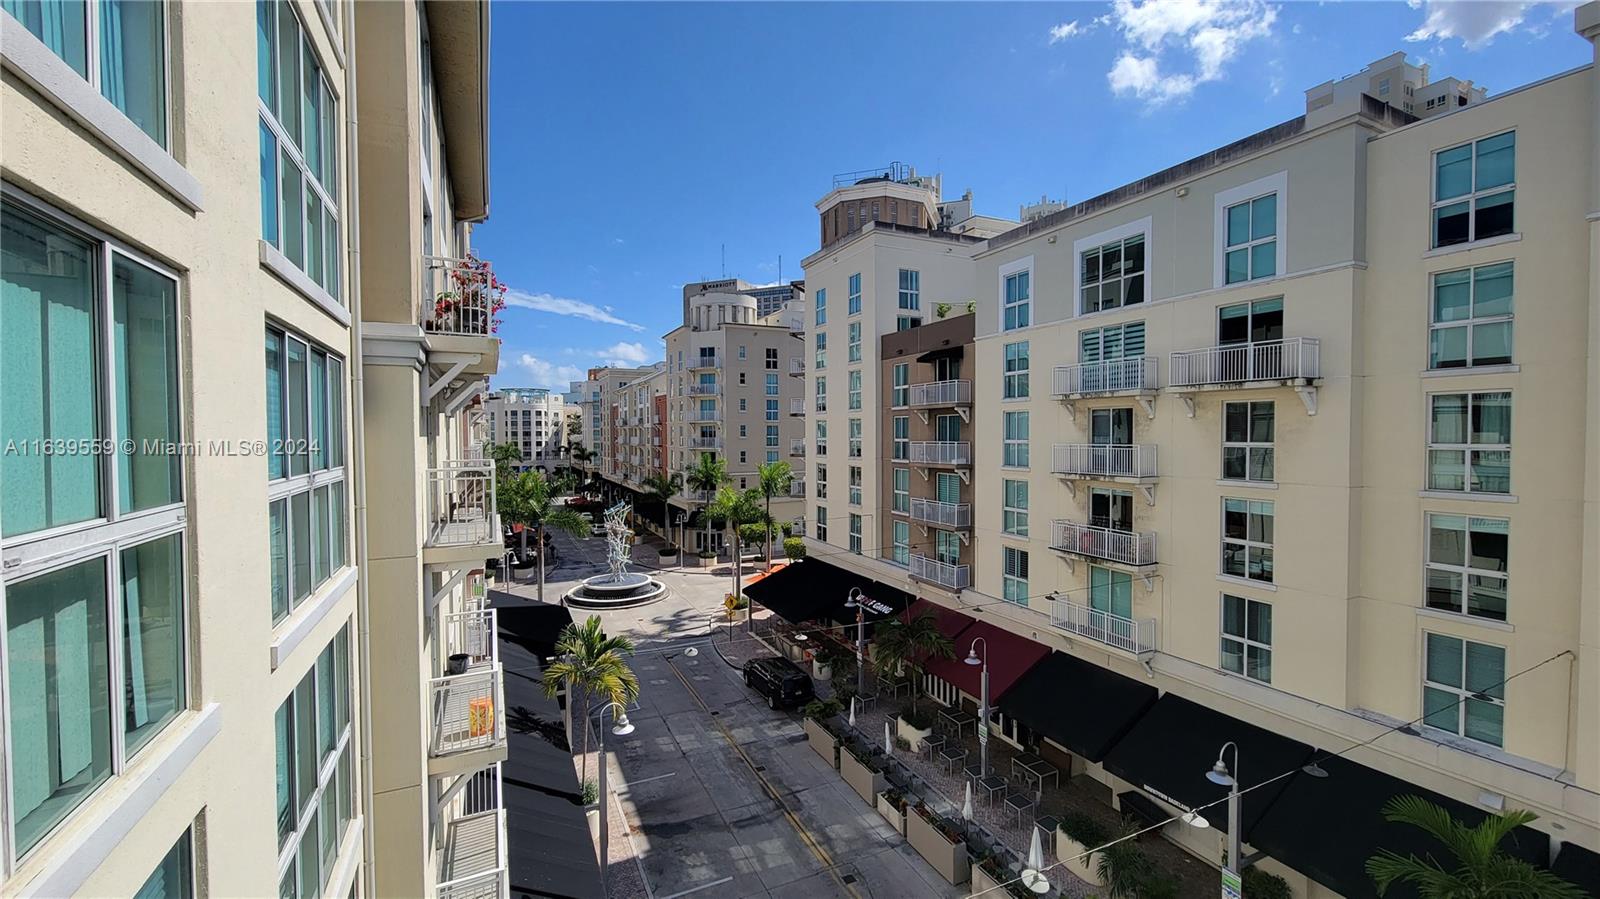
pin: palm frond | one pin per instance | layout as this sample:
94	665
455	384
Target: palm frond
567	520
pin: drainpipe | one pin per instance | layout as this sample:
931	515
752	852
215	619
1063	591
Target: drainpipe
359	439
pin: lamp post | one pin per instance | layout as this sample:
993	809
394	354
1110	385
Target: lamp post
621	726
853	601
1222	776
983	704
680	539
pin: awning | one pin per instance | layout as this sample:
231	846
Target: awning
789	593
950	622
947	352
813	589
1170	749
1009	655
1578	866
1079	704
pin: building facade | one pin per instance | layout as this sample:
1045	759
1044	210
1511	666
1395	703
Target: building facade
531	418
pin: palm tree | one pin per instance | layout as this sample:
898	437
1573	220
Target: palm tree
1482	870
775	478
709	474
504	455
529	499
735	508
581	455
661	487
590	664
911	643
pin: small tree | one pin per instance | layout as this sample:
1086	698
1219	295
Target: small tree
590	664
911	643
775	478
661	487
735	508
707	476
940	310
504	455
794	548
529	500
1482	870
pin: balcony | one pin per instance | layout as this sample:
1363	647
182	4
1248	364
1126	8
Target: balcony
1294	361
822	404
941	574
797	447
1135	635
469	720
941	452
457	315
1103	544
704	415
705	389
797	407
797	487
953	516
705	443
705	361
941	393
797	366
1107	378
696	497
472	864
1105	462
461	524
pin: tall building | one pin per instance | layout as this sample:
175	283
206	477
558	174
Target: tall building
532	418
770	298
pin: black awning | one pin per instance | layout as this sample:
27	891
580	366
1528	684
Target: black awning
1578	866
812	589
948	352
1079	704
1141	808
1327	827
789	592
1170	749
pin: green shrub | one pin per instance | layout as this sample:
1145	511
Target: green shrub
821	709
1160	886
794	548
752	535
591	793
1259	884
940	310
787	530
667	551
1085	830
707	554
917	718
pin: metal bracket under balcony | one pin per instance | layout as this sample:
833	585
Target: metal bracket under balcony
1136	377
957	454
1128	549
1132	635
955	395
1292	362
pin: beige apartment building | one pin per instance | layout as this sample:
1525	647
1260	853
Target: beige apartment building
532	419
637	452
181	578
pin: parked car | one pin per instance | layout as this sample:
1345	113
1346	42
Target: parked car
782	682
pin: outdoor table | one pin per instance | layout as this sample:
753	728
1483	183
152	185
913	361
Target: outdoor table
933	743
994	784
957	721
952	756
1020	765
973	771
866	701
1041	769
892	686
1019	803
1047	825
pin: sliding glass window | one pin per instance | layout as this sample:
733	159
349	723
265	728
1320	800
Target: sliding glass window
315	778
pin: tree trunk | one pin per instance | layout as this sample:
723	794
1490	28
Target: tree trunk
540	549
736	554
522	542
768	525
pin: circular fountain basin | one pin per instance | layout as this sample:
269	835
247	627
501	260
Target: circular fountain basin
607	591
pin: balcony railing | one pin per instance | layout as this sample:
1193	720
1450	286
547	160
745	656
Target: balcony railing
468	711
1239	363
705	443
1109	376
1126	547
943	574
822	404
473	635
1105	460
1136	635
705	389
473	863
942	393
705	360
797	407
698	415
797	447
944	515
797	487
464	302
461	497
797	365
698	497
941	452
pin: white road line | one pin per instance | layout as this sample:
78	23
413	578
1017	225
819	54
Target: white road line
623	817
703	886
633	783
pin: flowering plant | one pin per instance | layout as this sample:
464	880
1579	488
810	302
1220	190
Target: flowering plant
474	293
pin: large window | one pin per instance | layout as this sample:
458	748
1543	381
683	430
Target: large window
1474	190
1111	343
299	146
910	289
1252	240
1016	440
1111	592
854	385
307	535
901	446
1467	563
173	878
1469	442
1016	301
315	779
1471	320
1247	435
853	437
1016	370
855	533
853	342
1463	688
1247	638
900	393
822	350
853	297
900	553
1113	275
772	384
855	485
902	490
127	46
1247	539
822	438
822	523
1255	322
822	394
822	313
822	482
1014	575
1014	507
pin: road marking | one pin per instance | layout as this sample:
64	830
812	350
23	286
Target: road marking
703	886
634	783
634	847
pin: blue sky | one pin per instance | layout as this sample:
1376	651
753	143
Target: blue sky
631	142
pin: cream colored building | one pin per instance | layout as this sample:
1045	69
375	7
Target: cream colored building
534	419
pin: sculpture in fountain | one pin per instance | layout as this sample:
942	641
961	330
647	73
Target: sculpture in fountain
618	587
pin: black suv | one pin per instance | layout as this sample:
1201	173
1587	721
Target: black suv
781	681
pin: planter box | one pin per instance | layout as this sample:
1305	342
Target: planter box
982	882
822	742
910	734
866	782
821	671
796	652
949	859
1067	849
895	817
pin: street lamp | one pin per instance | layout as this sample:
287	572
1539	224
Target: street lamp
983	705
1222	776
681	517
621	726
853	601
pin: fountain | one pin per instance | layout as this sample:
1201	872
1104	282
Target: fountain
619	587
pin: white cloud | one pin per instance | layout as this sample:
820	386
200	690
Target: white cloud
544	302
624	355
1475	24
1204	35
1064	31
541	373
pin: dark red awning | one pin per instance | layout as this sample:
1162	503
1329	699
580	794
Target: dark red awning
950	622
1010	657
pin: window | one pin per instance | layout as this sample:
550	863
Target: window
822	522
1463	688
910	289
772	384
741	351
127	44
1467	563
855	533
822	350
901	552
1112	275
1014	575
306	496
299	147
1014	502
1471	322
901	448
1016	305
173	878
853	298
772	438
1016	440
822	318
900	394
1016	373
855	485
772	456
772	410
1247	539
907	322
822	438
771	360
822	482
1247	433
855	389
854	438
1110	344
744	429
1474	190
853	342
741	379
1469	442
1251	250
1111	592
744	405
1383	87
1256	322
902	490
1247	638
822	394
314	771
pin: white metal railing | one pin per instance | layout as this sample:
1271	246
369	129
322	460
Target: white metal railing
703	415
822	404
697	496
945	515
797	365
704	360
797	447
464	303
707	443
797	487
953	577
472	634
461	503
942	393
1136	635
468	711
1118	460
941	452
797	407
1107	376
474	860
1127	547
704	389
1270	360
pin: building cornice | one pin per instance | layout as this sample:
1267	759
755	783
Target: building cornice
391	343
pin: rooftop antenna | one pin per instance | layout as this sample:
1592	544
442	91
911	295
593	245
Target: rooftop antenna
780	268
724	260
